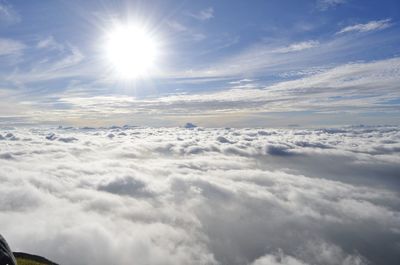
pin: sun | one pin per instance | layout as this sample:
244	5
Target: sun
131	50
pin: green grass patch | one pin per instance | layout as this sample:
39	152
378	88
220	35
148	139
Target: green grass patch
21	261
29	259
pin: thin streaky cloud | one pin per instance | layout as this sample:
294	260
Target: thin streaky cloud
49	43
374	25
346	88
69	65
188	32
7	14
176	26
299	46
11	47
324	5
204	14
264	57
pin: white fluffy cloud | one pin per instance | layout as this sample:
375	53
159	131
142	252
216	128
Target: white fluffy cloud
202	196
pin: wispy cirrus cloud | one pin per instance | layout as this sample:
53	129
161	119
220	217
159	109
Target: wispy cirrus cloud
276	58
374	25
324	5
187	31
350	88
176	26
7	14
204	14
69	63
346	88
49	43
299	46
11	47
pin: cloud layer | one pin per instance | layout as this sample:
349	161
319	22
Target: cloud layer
202	196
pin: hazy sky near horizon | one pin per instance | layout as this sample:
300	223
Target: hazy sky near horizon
218	63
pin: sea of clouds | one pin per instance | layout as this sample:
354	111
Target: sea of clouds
127	195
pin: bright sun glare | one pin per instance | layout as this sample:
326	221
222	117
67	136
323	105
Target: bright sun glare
131	50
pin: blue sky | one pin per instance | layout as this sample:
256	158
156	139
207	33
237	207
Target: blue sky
220	63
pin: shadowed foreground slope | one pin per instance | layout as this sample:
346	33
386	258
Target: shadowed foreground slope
29	259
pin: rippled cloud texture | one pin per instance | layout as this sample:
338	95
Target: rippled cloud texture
202	196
